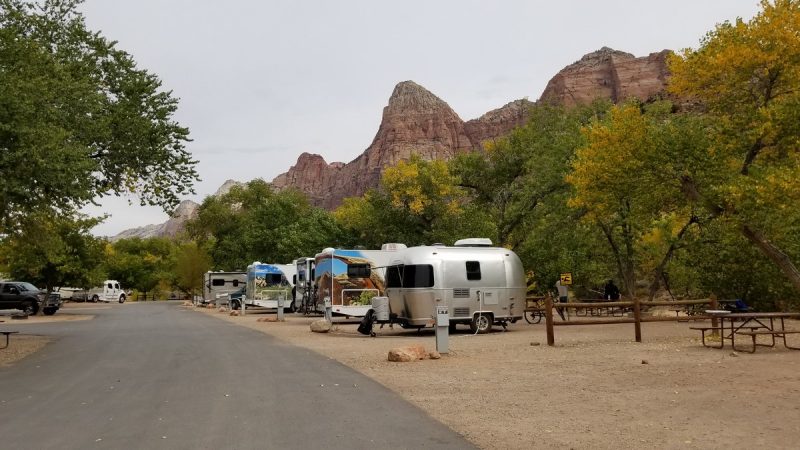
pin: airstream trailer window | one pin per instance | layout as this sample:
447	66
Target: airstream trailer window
235	283
393	277
218	282
358	270
473	270
418	276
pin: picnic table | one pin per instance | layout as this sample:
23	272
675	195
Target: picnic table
601	309
8	335
752	325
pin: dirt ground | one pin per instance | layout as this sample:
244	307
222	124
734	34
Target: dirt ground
20	346
596	388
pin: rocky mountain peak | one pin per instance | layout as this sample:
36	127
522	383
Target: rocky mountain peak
226	187
410	98
609	74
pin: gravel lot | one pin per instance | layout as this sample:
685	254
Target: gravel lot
595	389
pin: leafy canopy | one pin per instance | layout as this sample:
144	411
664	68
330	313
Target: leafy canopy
78	119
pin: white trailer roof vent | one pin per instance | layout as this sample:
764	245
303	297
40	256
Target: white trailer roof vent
474	242
393	247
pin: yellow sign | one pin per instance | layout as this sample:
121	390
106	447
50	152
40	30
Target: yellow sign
566	278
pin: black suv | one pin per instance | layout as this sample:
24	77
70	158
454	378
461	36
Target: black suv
28	298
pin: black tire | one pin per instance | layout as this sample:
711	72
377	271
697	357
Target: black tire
30	308
236	305
95	298
452	327
533	317
122	298
481	323
49	311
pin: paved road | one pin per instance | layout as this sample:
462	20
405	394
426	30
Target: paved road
158	376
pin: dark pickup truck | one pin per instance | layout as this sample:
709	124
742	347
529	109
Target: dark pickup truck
27	298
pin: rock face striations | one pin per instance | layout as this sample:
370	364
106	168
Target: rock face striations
414	122
608	74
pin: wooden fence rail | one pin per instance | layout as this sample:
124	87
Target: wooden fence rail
636	320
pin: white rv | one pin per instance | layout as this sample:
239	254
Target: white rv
351	278
218	286
481	285
268	283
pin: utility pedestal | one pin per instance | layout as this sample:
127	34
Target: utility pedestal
442	329
328	310
280	309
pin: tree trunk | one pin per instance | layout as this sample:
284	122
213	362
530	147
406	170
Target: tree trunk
658	273
774	254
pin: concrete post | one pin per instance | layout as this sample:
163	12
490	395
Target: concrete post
328	310
280	308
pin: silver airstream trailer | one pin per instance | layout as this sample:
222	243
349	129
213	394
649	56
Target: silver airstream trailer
480	284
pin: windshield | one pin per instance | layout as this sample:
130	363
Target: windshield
28	287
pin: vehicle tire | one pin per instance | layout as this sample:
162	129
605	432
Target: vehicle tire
49	311
452	327
30	308
533	317
293	307
481	323
95	298
122	298
235	305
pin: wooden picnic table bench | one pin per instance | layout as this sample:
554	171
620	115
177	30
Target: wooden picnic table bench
8	335
752	324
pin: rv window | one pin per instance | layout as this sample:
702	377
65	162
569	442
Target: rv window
273	279
358	271
418	276
393	277
235	283
218	282
473	270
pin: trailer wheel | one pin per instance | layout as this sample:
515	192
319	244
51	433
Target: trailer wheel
95	298
235	304
481	323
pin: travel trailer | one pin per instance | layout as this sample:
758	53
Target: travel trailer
351	278
217	286
268	283
481	285
304	286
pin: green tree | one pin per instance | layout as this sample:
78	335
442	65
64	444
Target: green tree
418	202
254	223
140	264
78	119
746	76
53	251
515	175
191	263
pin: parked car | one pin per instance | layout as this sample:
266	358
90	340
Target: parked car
28	298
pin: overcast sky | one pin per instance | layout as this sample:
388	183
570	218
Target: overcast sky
262	81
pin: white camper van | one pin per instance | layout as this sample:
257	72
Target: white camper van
268	283
217	286
480	284
351	278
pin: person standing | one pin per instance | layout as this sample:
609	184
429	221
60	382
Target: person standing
611	291
563	296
